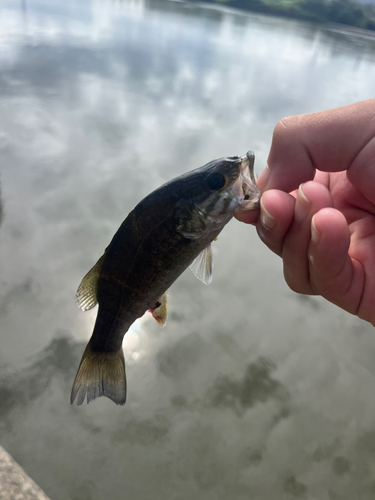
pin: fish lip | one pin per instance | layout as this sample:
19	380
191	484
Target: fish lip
250	155
247	192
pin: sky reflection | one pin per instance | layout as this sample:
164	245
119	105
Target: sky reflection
250	391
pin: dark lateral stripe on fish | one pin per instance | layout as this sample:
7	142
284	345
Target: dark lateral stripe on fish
212	205
226	203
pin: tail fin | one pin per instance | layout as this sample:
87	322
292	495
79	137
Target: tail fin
100	374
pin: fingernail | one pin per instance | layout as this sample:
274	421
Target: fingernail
311	258
262	233
315	235
267	220
302	205
263	179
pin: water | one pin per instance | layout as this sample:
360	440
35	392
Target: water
251	391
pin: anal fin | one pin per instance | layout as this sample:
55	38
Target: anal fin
159	310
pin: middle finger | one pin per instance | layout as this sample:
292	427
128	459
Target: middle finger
311	197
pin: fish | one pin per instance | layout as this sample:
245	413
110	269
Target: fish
169	230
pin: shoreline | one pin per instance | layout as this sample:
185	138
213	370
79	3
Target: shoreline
15	484
367	23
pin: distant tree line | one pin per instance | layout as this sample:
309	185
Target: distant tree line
335	11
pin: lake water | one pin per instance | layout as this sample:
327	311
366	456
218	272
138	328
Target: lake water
251	391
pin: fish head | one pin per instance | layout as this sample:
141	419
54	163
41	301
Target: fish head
221	188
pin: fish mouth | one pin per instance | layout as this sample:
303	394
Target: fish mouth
245	188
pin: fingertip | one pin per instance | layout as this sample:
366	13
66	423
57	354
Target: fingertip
277	206
330	269
268	220
311	197
248	217
276	215
331	223
263	179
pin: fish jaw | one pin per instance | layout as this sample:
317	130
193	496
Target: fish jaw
245	189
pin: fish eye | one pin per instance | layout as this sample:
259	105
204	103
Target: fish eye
216	181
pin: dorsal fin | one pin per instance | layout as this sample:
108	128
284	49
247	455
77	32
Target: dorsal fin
86	293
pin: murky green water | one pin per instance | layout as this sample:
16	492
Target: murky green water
250	391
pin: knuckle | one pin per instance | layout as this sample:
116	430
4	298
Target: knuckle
284	128
267	237
291	282
298	282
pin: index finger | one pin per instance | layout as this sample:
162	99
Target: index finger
328	140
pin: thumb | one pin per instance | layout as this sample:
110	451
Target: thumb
331	141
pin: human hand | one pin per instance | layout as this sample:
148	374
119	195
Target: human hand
325	229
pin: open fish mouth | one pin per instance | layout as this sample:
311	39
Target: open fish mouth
245	188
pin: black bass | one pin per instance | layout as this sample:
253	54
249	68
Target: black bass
168	231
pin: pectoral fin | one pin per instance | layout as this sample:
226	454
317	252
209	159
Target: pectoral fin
159	310
202	266
86	293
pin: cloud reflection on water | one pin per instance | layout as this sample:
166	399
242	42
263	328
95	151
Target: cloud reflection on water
101	103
